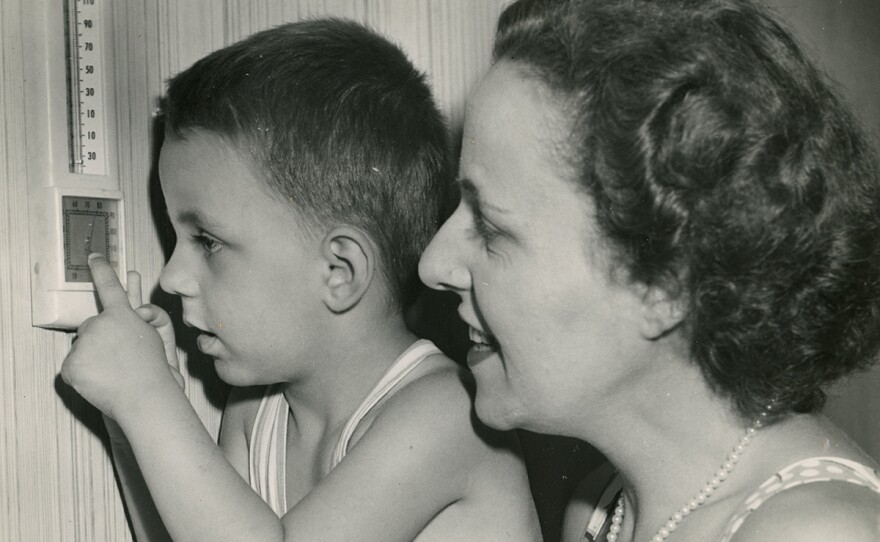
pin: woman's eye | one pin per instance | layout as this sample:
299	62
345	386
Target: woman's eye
486	233
208	244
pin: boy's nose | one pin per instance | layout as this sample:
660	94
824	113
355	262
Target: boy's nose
174	280
442	265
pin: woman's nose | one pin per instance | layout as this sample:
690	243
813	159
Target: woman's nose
443	266
174	279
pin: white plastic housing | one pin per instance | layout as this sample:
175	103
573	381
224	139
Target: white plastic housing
50	140
57	303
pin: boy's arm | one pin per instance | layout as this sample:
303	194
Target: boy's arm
400	475
415	460
145	520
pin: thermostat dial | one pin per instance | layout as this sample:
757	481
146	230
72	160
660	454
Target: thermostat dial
88	225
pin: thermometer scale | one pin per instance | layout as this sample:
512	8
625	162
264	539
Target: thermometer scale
85	86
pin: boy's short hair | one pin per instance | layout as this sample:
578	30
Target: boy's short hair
338	122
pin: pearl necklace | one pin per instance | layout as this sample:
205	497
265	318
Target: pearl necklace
707	491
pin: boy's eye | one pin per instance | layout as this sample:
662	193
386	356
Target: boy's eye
208	243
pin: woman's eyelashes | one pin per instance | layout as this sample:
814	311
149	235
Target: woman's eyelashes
481	227
485	231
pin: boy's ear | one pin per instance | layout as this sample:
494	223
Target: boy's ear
350	264
662	312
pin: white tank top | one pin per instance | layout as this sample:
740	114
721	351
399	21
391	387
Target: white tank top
267	453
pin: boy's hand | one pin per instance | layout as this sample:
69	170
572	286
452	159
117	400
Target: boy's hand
117	356
159	319
161	322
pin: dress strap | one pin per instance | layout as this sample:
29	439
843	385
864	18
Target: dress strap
806	471
268	448
401	367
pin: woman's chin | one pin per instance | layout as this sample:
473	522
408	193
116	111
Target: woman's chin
493	413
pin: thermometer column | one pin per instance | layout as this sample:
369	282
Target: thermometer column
85	87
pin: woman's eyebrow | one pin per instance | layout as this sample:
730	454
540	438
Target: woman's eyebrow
471	194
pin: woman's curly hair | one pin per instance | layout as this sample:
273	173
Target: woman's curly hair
723	168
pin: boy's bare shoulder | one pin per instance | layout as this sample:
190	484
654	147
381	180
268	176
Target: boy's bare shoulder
431	419
428	430
437	405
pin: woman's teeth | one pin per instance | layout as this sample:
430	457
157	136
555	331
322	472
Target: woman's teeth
480	338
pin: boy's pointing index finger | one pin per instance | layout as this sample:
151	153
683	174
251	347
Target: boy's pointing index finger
107	284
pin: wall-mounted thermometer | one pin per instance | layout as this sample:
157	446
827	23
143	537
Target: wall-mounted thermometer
75	203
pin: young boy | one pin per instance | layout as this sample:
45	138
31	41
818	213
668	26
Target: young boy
302	170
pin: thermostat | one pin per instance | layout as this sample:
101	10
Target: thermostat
88	224
75	203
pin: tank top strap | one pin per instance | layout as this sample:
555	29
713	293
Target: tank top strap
805	471
268	449
402	366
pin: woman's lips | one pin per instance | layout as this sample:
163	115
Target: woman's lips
479	353
484	345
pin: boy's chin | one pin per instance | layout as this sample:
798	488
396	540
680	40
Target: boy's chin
231	374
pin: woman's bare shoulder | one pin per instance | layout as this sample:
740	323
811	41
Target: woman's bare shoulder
820	511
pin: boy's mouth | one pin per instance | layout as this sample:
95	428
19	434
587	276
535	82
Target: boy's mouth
197	328
207	342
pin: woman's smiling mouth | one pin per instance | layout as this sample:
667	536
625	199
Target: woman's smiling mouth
484	345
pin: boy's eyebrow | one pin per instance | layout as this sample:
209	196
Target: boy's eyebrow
194	217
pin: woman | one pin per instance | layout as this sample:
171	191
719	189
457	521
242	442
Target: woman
668	243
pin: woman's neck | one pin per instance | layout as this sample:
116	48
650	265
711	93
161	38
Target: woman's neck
668	435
